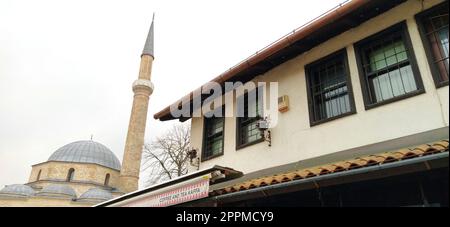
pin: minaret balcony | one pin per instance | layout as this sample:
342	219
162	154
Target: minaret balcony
144	85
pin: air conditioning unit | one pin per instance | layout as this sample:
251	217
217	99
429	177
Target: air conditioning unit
283	103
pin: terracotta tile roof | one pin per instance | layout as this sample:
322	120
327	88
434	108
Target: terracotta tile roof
361	162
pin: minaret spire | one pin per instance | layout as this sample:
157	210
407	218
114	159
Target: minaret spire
148	48
142	88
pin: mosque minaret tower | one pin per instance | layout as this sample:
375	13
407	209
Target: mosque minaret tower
142	88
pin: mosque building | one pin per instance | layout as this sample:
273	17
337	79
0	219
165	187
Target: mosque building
85	173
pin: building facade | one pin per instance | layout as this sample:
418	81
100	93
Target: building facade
368	77
403	96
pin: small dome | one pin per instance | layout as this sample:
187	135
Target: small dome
17	190
86	151
58	190
96	194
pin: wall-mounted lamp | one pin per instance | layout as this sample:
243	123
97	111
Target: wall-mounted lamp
194	159
263	125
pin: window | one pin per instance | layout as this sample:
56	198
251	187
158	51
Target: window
39	175
70	175
213	139
433	26
107	179
387	67
248	132
329	88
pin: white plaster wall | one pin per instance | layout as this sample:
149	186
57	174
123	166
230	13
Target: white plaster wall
294	139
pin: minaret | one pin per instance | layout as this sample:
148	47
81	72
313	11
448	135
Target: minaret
142	88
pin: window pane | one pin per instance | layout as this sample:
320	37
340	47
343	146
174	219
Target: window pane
250	133
395	83
248	130
328	87
443	37
213	137
215	146
214	126
388	55
436	26
388	68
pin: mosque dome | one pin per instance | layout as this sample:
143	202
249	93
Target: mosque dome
58	190
17	190
96	194
86	151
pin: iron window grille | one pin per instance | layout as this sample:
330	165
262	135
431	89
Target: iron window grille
248	132
213	137
387	66
330	93
433	26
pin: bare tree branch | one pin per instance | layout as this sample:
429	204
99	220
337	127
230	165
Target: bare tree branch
167	156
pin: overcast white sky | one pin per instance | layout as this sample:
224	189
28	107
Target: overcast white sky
66	67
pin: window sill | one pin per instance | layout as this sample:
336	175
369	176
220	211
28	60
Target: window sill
442	84
240	147
211	157
396	99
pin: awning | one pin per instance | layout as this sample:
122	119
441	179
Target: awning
377	161
213	175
